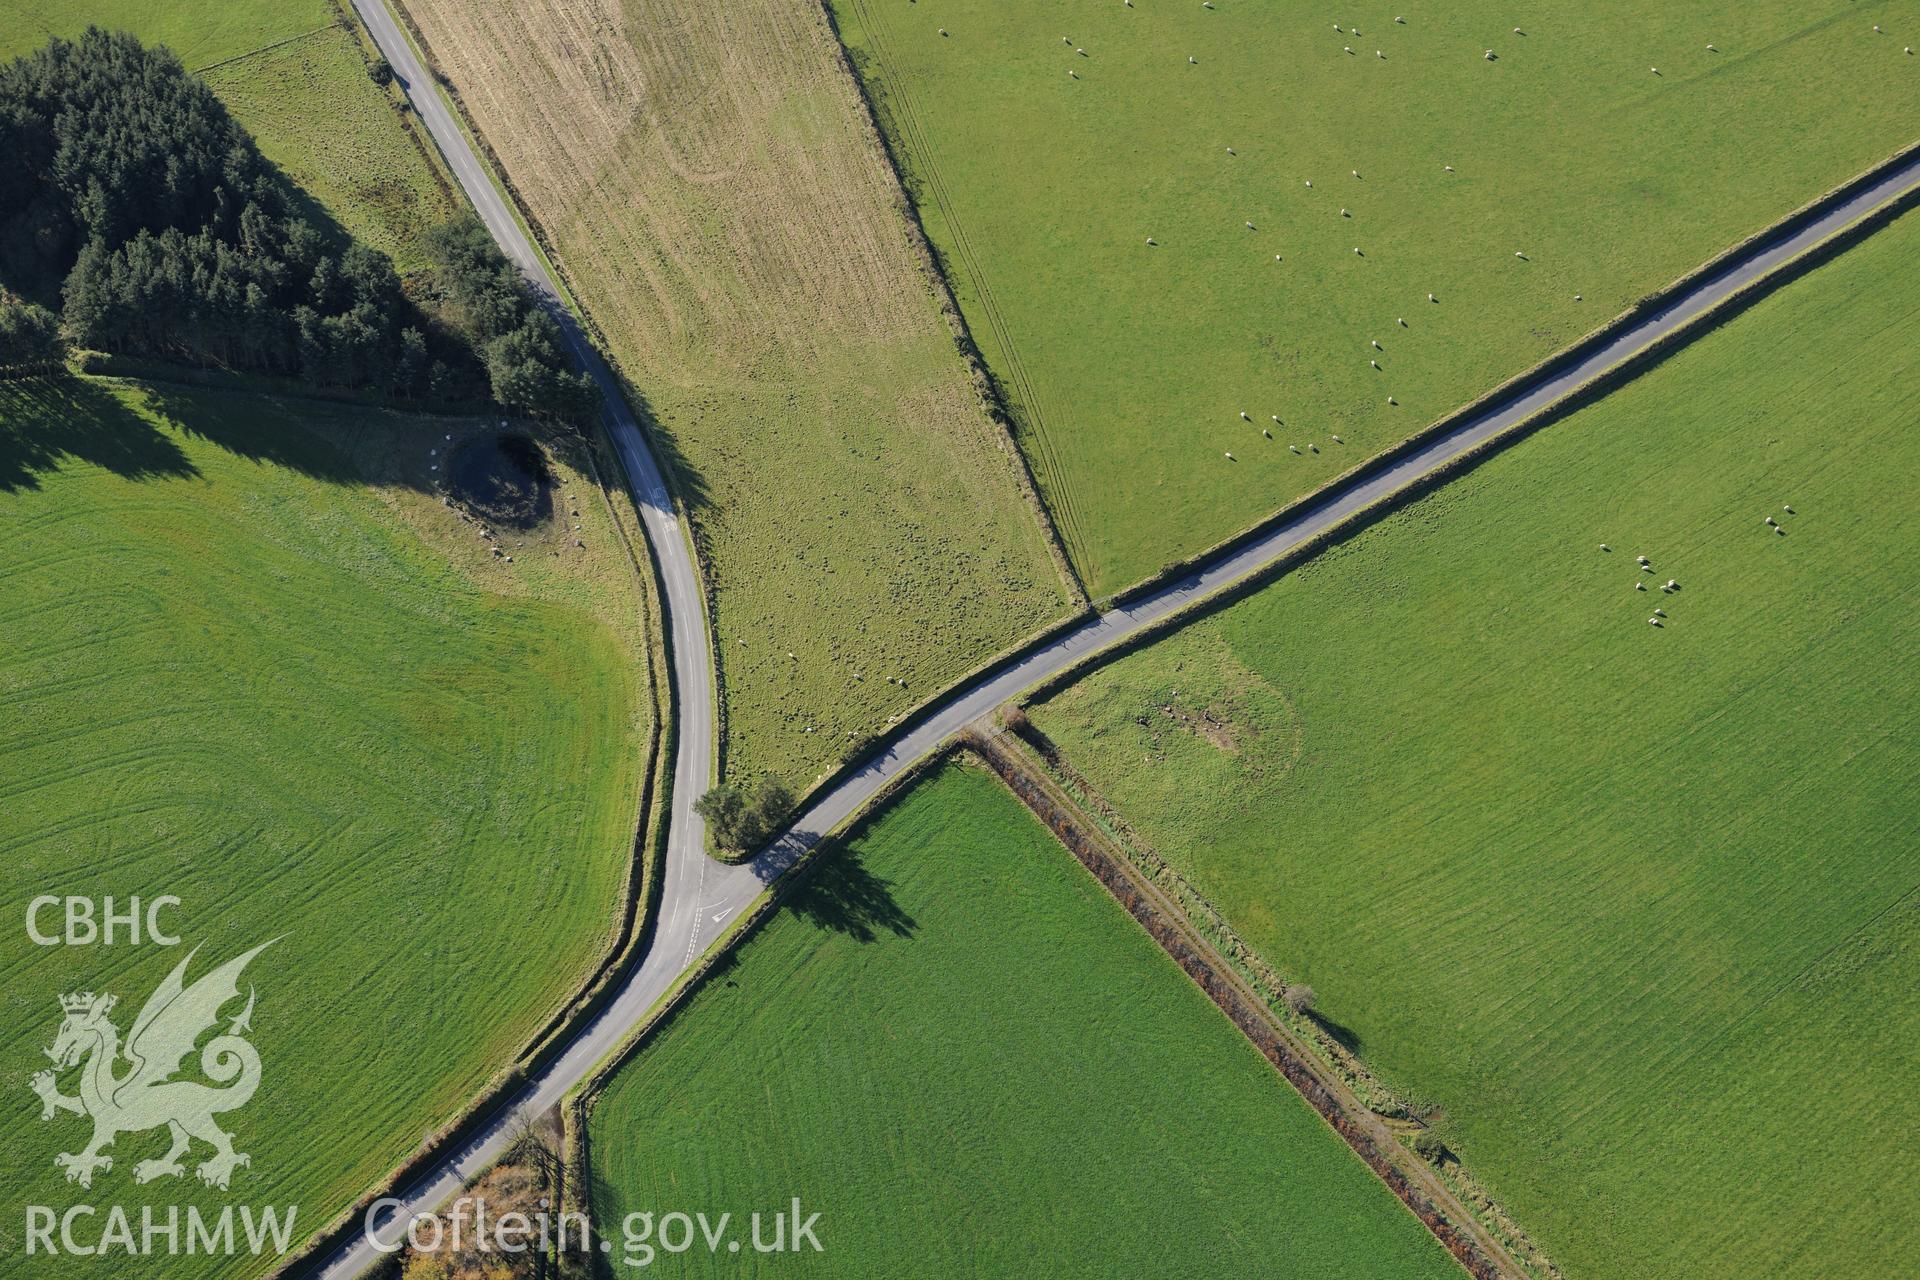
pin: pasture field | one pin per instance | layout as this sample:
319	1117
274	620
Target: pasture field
724	214
296	80
249	660
1093	1108
1046	142
1635	909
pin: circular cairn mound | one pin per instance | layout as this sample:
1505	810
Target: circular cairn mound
503	479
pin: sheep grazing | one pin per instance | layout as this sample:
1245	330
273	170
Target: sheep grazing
1655	70
1151	240
1392	401
1231	458
1401	21
1403	320
1338	440
1276	419
1081	52
1349	48
1192	61
1072	74
1786	508
943	31
1772	523
1345	214
1431	298
1374	363
1268	434
1490	57
1244	417
1673	584
1643	560
1447	167
1640	584
1577	298
1356	173
1605	547
1380	55
1293	448
1519	255
1712	49
1249	226
1659	613
1276	257
1357	253
1065	40
1653	621
1232	152
1377	346
1517	31
1309	181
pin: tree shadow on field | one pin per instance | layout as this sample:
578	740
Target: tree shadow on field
843	896
1345	1036
260	428
47	422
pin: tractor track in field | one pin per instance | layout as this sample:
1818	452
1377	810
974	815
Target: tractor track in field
699	896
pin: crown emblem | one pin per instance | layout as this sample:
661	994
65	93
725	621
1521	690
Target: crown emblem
83	1001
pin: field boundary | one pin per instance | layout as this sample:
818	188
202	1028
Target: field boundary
1520	382
1595	388
661	443
650	824
632	928
1517	383
1039	755
986	386
1413	1182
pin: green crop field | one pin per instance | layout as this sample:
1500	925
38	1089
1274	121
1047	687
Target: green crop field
296	79
1046	142
249	660
1636	908
968	1059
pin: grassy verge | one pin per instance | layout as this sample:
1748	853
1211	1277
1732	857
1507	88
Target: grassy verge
1606	899
251	660
1127	365
1094	1112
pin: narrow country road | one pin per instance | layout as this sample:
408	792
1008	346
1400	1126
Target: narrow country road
700	895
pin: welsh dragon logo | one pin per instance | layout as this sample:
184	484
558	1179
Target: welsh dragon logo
145	1095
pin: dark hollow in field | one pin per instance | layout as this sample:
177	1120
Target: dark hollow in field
503	479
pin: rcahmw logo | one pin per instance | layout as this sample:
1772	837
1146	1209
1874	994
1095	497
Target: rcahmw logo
143	1083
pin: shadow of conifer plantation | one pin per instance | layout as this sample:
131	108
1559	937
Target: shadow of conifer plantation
48	422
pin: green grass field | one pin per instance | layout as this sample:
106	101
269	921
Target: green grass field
1635	909
248	660
1128	366
969	1060
296	80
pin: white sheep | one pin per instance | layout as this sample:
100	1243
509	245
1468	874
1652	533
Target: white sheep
1231	458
